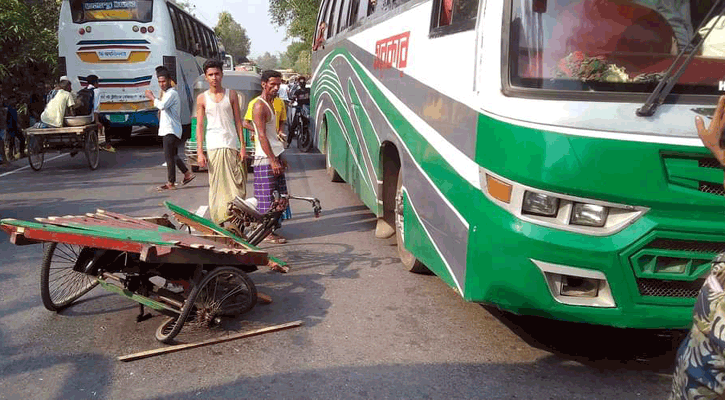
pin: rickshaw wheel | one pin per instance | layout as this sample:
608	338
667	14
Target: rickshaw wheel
36	154
223	292
92	150
60	283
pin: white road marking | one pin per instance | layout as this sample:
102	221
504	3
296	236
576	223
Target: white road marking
28	166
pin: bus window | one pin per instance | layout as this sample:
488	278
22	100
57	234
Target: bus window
371	6
210	42
204	46
450	16
353	14
106	10
178	36
342	21
194	46
331	19
215	43
183	30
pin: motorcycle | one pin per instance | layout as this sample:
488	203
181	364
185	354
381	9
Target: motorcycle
300	127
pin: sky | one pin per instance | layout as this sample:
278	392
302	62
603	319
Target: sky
253	16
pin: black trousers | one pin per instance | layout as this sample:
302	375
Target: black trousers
171	153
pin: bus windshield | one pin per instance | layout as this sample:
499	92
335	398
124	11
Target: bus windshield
111	10
612	45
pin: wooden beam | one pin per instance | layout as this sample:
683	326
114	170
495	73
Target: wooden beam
180	347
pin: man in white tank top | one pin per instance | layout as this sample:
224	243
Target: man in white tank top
219	108
268	164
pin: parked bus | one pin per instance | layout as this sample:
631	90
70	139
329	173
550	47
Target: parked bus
122	42
506	145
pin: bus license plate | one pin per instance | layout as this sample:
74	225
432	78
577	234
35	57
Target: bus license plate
117	117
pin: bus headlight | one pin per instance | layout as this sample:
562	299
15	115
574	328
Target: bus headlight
589	214
135	28
151	29
558	210
540	204
88	29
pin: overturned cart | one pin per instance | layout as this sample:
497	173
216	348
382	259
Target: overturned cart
199	277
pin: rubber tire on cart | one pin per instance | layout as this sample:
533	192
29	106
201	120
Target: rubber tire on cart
201	299
407	258
36	155
61	263
92	149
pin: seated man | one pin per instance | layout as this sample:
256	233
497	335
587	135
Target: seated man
56	109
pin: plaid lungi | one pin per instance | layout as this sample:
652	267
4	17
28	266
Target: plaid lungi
265	182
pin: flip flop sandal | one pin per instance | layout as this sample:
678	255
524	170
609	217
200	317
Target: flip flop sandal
275	240
165	187
185	181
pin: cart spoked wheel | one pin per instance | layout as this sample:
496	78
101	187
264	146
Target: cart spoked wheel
36	155
92	150
60	282
223	292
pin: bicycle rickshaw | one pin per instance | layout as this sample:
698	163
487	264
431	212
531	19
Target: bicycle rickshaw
80	136
200	277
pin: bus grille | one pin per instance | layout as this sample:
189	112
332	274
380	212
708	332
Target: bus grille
712	188
708	162
695	246
669	288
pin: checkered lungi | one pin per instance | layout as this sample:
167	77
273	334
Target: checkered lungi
265	182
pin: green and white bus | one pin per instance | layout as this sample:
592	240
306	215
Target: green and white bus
506	145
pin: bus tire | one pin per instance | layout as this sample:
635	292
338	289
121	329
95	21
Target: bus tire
407	258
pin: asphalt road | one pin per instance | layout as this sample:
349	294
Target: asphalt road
371	329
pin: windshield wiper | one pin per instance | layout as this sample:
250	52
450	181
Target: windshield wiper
670	78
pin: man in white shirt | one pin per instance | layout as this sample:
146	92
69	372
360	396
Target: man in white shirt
59	105
170	129
219	120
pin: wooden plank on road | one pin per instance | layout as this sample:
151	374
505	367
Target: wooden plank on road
180	347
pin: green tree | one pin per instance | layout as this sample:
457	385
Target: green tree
298	16
290	56
302	65
187	6
233	36
29	42
267	61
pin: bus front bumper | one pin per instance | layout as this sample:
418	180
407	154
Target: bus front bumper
645	276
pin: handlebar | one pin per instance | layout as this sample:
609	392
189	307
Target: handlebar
316	206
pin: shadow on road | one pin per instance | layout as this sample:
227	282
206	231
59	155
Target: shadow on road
597	346
544	379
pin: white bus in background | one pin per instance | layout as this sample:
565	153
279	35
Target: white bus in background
122	42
